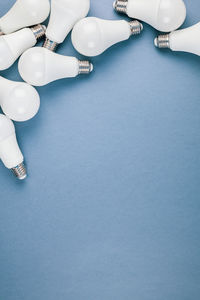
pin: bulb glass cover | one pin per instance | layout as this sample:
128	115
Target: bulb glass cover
64	15
18	100
24	13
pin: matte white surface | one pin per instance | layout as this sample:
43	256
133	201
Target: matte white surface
13	45
92	36
164	15
64	15
39	66
25	13
19	101
187	40
10	154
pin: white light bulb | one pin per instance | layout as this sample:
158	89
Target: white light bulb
64	15
10	154
19	100
39	66
14	44
92	36
24	13
186	40
164	15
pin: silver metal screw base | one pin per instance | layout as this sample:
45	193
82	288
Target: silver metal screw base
20	171
1	32
136	27
50	45
120	6
38	31
85	67
162	41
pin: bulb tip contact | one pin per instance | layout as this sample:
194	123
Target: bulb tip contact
91	67
44	28
156	42
114	4
20	171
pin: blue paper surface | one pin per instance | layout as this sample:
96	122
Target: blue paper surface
111	207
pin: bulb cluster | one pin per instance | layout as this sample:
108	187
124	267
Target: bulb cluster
21	28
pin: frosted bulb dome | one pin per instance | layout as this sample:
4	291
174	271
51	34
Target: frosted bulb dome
24	13
87	37
22	104
171	15
19	101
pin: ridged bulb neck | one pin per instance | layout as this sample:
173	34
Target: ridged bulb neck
85	67
38	31
136	27
121	6
50	45
20	171
162	41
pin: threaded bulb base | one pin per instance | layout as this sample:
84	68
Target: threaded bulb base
136	27
120	6
38	31
85	67
162	41
20	171
50	45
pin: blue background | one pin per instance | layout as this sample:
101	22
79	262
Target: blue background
110	210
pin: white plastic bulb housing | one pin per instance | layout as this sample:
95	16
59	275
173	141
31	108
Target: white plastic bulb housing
18	100
14	44
186	40
24	13
164	15
39	66
10	153
92	36
64	15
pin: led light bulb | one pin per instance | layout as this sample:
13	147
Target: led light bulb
64	15
10	154
39	66
24	13
19	100
92	36
14	44
186	40
164	15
